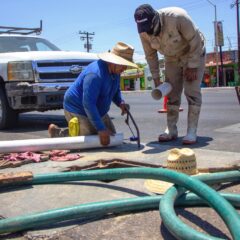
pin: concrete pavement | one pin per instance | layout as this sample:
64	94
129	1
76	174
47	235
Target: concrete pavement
144	225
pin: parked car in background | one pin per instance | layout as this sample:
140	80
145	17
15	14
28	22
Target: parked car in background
34	73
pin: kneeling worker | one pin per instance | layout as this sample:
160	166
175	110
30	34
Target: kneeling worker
89	97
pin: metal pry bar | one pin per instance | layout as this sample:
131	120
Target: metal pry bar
135	125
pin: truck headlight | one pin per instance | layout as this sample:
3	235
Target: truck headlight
20	71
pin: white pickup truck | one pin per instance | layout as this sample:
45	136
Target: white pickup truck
34	75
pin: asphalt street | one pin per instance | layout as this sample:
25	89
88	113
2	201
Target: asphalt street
219	124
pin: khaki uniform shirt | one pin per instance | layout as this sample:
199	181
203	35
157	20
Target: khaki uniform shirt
179	40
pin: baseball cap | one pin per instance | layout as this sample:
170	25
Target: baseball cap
144	15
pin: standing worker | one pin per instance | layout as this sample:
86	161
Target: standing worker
171	32
89	97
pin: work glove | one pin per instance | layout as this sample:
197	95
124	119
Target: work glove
104	137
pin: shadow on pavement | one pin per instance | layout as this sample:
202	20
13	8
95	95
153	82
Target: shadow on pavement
125	147
165	233
157	147
36	122
112	187
203	224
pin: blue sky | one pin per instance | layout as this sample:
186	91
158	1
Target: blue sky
110	20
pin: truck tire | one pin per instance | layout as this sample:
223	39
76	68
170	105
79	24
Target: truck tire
8	116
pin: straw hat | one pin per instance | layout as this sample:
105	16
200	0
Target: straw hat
180	160
121	54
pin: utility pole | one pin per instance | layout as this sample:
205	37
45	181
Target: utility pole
220	43
216	40
237	7
238	34
86	36
229	44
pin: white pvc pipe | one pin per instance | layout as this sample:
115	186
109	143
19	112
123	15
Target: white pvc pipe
161	91
63	143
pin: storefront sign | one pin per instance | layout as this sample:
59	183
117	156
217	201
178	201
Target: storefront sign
219	40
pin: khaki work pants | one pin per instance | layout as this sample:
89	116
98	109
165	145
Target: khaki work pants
86	127
192	90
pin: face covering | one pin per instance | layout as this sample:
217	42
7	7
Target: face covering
148	20
156	25
150	32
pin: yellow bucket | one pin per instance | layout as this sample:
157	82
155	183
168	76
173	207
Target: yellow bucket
73	127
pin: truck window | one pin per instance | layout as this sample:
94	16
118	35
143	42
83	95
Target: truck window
23	44
43	47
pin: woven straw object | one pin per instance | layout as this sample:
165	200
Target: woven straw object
180	160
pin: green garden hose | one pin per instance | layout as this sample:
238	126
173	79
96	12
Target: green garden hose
99	209
210	196
166	208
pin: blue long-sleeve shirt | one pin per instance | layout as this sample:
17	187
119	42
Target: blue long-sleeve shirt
92	93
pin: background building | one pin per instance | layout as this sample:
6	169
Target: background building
228	69
132	79
141	79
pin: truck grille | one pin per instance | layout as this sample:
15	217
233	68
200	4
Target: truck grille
52	76
61	64
59	71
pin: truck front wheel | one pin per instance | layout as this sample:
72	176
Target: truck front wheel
8	116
